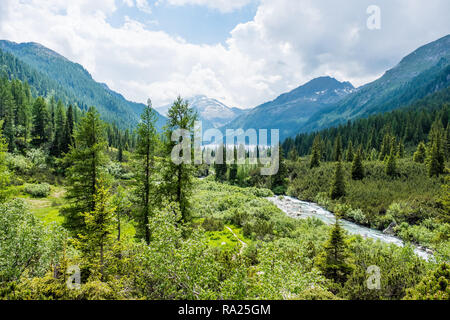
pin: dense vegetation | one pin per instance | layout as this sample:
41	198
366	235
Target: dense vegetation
80	194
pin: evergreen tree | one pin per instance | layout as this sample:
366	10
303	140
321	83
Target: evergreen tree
58	141
41	132
385	147
420	154
357	167
338	185
96	241
7	114
120	153
4	174
278	180
232	177
52	115
315	153
434	166
22	113
221	168
350	155
68	139
85	164
401	150
391	164
337	149
145	168
333	261
178	177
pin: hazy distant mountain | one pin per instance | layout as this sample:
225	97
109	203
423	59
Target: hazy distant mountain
291	110
212	112
59	74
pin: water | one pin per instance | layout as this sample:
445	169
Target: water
301	210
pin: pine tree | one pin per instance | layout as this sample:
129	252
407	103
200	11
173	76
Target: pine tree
349	155
391	164
22	114
333	261
385	147
337	149
357	167
69	125
4	174
232	177
278	180
41	132
420	154
178	177
315	153
401	150
58	141
434	167
52	115
221	168
145	168
338	185
85	164
7	114
95	242
120	153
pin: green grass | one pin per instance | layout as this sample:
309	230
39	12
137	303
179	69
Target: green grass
47	208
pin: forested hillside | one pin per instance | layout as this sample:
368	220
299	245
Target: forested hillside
49	73
423	72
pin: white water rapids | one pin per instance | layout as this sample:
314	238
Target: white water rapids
301	210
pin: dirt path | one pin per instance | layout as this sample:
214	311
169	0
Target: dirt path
242	242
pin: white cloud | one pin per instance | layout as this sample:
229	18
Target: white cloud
286	44
129	3
221	5
143	6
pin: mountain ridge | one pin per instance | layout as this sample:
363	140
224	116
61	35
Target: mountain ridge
78	83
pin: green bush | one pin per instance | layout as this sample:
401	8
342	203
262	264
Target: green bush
38	190
212	224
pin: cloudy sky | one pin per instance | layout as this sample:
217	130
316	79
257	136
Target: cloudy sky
242	52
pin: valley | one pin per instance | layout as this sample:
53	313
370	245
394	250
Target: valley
88	182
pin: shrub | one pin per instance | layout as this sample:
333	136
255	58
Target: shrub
38	190
212	224
358	216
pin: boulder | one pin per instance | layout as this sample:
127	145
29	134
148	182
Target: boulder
390	229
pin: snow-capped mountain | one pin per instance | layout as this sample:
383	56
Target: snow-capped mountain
212	112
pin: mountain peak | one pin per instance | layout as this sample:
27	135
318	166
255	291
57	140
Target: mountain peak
318	89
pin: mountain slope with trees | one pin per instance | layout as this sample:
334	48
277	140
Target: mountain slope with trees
71	81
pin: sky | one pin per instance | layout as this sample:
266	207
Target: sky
241	52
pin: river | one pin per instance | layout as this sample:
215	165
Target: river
301	210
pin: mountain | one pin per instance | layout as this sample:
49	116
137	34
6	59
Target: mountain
212	112
325	102
73	83
291	110
421	73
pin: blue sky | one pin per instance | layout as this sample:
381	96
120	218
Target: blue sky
196	24
240	52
